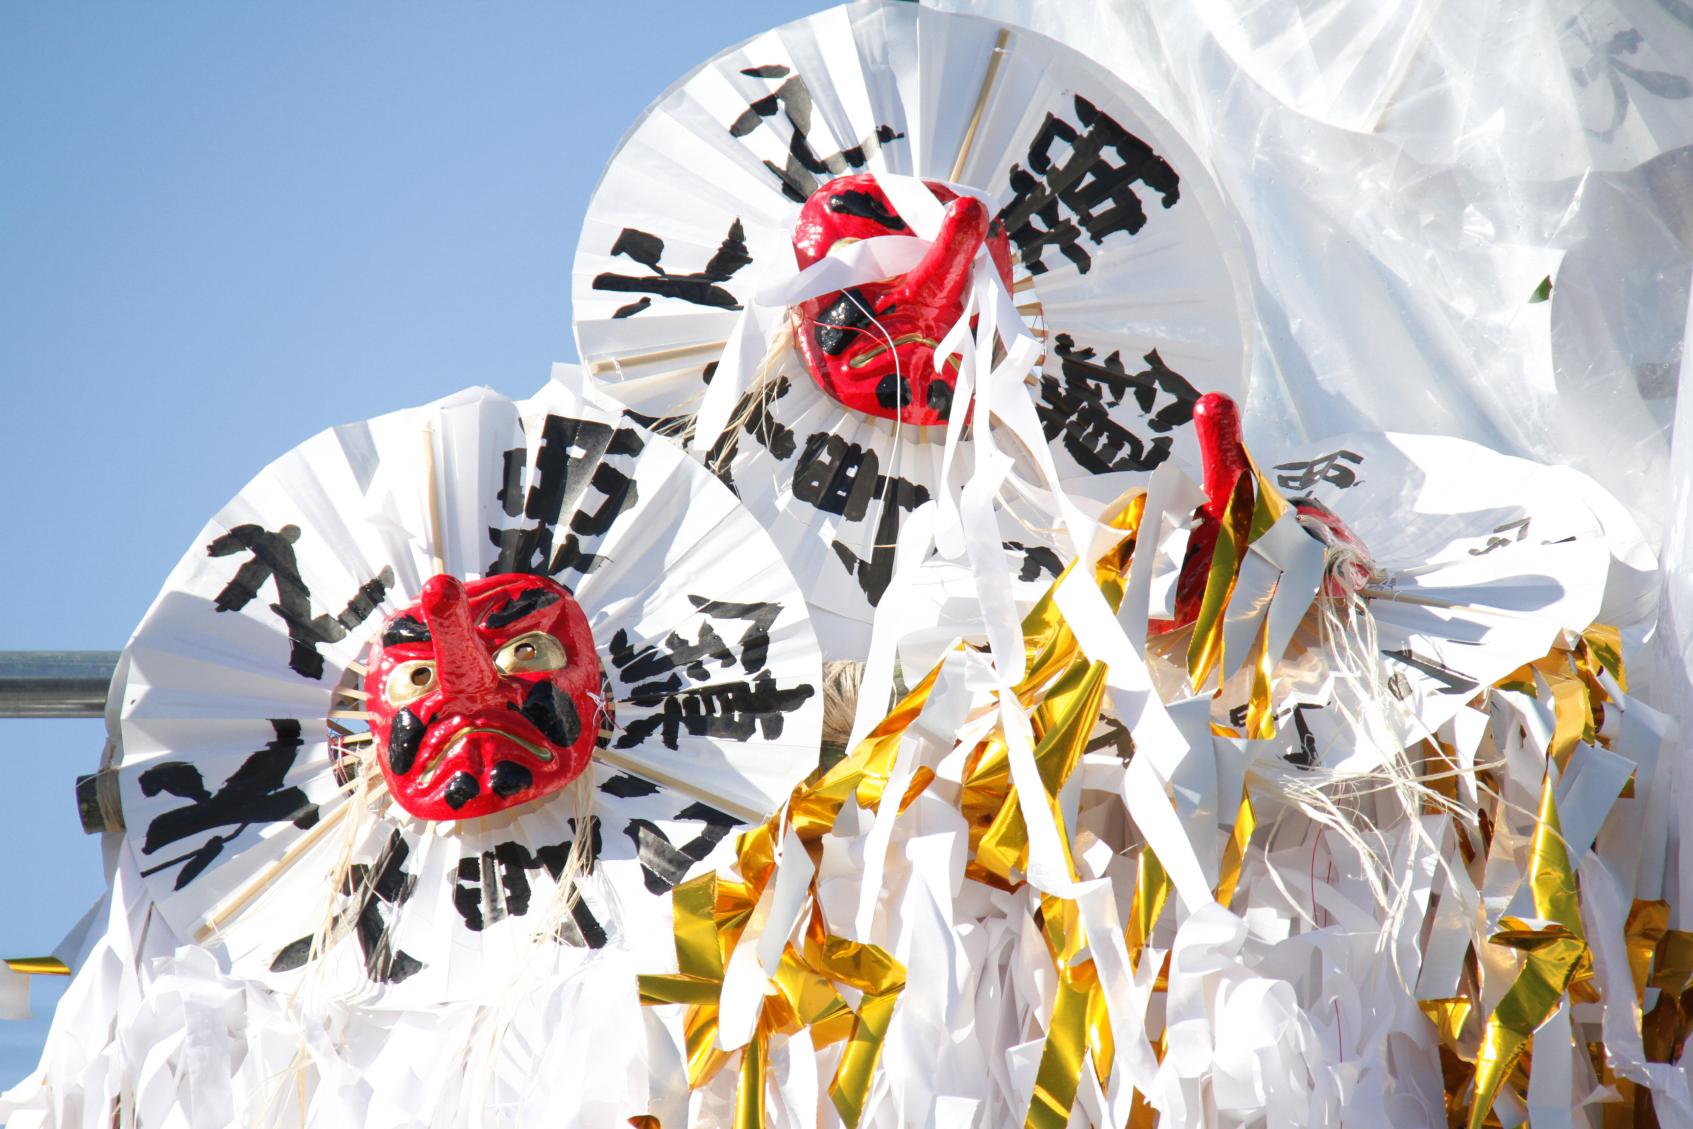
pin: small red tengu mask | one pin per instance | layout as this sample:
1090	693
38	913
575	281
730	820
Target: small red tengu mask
482	695
872	347
1228	469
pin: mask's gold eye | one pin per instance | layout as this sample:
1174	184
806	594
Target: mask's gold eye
409	681
842	243
529	653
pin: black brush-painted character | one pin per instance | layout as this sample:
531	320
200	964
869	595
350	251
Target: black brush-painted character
804	170
254	793
494	885
1330	468
657	669
843	478
732	711
701	288
1083	404
1080	183
663	863
381	883
1038	561
272	560
574	456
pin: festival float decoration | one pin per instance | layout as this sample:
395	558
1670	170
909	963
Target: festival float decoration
1307	792
457	665
837	256
1137	932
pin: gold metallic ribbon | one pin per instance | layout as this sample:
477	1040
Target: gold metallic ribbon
1554	949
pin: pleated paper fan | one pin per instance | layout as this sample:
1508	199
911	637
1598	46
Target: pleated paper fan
1120	261
242	719
1483	561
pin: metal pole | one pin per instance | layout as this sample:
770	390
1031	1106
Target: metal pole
55	683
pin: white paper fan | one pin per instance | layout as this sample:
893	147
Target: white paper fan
1124	265
1484	560
239	676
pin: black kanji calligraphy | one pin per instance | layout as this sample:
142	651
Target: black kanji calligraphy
663	863
493	885
1038	560
844	478
658	668
1330	468
1495	541
731	711
1451	681
836	476
804	169
873	574
701	288
254	793
373	886
1080	183
1083	406
574	457
272	560
1304	753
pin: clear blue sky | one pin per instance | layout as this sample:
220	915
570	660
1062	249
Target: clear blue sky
225	227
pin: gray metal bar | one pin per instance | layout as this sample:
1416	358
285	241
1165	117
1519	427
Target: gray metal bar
55	683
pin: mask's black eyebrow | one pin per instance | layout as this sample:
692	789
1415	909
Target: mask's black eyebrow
406	629
511	611
865	206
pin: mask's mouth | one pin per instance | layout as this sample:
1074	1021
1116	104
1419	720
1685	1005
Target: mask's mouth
443	752
881	347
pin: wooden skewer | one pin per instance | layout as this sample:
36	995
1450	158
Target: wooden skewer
1435	602
630	764
657	356
349	692
434	500
256	884
352	715
988	79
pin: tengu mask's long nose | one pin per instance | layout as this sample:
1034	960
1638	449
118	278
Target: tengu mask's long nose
461	663
937	281
1216	422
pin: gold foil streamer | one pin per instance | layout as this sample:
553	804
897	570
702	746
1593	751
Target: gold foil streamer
711	912
1205	646
881	978
1604	644
38	966
1234	852
749	1093
1553	952
1260	707
1643	932
1152	889
1672	963
1060	1069
1448	1016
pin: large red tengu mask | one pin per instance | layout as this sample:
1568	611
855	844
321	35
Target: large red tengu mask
872	347
482	695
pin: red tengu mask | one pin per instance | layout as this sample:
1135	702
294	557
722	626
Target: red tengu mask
872	347
482	695
1228	469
